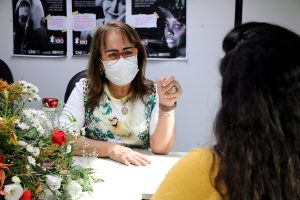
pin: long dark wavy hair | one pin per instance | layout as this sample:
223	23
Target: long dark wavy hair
140	85
257	128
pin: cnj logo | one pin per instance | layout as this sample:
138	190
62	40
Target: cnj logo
32	51
78	53
57	40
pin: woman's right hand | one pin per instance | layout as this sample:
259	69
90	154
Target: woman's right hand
127	156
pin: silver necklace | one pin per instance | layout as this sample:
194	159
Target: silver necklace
124	108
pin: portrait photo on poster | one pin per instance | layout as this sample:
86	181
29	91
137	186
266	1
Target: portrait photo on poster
31	34
88	16
164	36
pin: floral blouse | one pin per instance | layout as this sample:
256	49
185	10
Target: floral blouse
121	121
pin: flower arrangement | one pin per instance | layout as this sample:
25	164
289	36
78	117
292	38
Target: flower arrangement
35	151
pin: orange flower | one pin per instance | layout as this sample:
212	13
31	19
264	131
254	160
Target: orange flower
5	166
3	85
39	188
2	179
13	139
15	91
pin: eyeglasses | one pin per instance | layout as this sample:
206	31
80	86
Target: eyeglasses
115	55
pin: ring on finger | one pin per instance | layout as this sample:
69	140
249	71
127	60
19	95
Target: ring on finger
176	88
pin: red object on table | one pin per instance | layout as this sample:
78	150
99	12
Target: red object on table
50	102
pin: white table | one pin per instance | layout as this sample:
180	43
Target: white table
128	182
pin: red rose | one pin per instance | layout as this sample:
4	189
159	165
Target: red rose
59	137
26	195
1	158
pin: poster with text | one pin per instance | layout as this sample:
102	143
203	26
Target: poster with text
40	27
88	16
162	27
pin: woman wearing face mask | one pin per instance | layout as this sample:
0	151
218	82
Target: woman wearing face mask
119	108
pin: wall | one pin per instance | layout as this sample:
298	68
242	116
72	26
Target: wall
207	23
285	13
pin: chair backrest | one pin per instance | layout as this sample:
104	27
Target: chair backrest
5	72
73	81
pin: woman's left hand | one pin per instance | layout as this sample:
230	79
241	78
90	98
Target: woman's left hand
169	91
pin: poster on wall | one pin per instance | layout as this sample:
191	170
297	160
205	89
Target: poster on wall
162	27
40	27
88	16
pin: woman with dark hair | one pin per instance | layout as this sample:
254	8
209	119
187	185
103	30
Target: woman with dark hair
174	38
119	108
257	129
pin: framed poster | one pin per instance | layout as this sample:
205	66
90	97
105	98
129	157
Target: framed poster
162	27
39	27
88	16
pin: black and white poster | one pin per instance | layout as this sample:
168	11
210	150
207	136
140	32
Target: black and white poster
88	16
162	27
40	27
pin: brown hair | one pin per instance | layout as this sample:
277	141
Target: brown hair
140	85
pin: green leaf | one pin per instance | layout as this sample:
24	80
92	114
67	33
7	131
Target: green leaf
32	133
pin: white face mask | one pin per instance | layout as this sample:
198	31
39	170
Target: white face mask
122	71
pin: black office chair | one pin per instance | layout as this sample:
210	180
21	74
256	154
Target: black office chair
5	73
73	81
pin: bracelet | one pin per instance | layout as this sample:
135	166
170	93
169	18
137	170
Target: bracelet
167	114
167	108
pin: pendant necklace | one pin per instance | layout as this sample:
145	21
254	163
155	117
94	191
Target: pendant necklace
124	108
123	100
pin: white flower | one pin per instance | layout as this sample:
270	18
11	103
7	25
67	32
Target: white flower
16	121
40	130
31	160
15	179
22	143
69	148
53	182
36	97
48	194
15	191
29	148
63	172
73	190
36	152
29	89
27	113
23	126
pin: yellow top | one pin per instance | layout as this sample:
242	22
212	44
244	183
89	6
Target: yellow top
191	178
